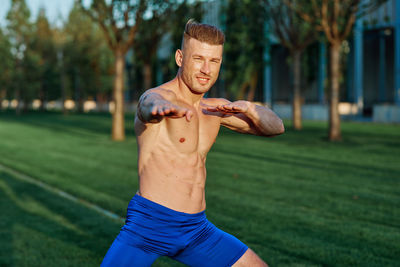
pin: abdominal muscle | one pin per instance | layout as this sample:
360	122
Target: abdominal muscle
172	157
175	180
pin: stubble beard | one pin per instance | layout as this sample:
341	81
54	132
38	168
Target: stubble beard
193	84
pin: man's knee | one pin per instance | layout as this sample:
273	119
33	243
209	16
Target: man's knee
249	258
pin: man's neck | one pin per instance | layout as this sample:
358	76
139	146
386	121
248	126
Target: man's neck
186	94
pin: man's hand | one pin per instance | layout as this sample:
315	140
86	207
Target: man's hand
240	106
246	117
158	103
163	108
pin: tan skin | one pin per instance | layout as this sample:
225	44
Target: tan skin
176	128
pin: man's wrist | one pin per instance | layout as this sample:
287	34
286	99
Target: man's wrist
251	110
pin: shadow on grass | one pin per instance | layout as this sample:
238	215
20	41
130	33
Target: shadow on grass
313	163
373	138
41	228
74	123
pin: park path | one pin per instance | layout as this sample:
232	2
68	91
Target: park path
29	179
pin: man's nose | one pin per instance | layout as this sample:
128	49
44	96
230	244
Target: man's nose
205	68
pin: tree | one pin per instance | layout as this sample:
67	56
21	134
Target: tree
178	20
152	30
6	65
86	59
244	48
120	20
295	34
59	40
44	46
146	43
19	29
336	20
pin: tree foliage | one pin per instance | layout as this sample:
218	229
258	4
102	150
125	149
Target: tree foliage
291	30
19	33
244	47
336	20
7	64
295	34
120	20
88	61
170	24
44	47
177	22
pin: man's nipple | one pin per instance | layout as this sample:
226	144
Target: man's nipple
182	139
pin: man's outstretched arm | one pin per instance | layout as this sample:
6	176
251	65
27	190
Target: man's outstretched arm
247	117
155	104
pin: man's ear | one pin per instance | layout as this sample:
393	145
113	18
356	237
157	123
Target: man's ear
178	57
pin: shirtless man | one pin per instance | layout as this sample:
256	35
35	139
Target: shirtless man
176	128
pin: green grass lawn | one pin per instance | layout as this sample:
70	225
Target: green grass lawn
296	199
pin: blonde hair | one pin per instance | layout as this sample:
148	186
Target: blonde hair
202	32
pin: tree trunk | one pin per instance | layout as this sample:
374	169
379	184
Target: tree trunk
25	106
78	91
63	86
42	98
296	108
242	90
118	129
101	101
147	76
334	118
3	94
18	89
19	100
252	87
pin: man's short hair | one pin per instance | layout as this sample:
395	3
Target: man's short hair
202	32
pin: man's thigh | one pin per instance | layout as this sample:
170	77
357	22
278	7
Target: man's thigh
212	247
123	255
250	258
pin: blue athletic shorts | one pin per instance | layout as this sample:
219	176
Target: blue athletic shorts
152	230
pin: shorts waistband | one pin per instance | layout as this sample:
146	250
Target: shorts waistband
165	210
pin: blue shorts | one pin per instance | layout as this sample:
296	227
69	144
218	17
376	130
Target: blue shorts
152	230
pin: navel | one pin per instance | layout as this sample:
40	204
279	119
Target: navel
182	139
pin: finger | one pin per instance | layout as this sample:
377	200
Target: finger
212	108
168	110
176	113
189	115
225	108
236	108
160	111
154	110
230	109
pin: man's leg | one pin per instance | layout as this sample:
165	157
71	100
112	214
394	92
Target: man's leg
123	255
209	247
213	247
250	259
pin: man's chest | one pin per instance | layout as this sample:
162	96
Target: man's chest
198	134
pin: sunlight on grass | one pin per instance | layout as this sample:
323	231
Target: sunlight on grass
295	199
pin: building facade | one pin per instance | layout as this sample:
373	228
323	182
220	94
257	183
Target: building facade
371	72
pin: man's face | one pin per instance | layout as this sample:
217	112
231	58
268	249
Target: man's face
200	64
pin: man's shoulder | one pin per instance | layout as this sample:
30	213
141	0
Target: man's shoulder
162	91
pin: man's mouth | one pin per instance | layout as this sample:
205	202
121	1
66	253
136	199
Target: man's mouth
202	80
